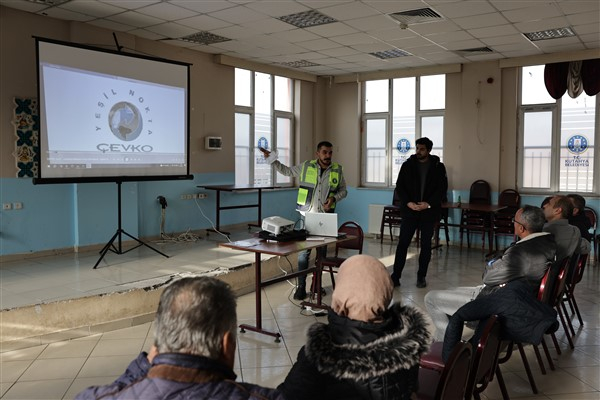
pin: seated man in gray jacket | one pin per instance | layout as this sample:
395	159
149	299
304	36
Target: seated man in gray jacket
567	237
527	259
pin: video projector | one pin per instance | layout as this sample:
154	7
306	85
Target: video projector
277	225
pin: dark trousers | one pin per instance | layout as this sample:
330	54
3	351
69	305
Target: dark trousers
407	231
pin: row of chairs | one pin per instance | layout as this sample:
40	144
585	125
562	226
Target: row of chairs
468	372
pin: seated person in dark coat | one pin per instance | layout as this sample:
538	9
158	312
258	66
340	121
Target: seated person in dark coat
194	350
578	217
369	350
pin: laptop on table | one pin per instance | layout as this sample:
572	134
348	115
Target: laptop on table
321	224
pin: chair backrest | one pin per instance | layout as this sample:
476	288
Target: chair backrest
591	214
485	358
553	283
351	228
577	273
480	193
453	381
509	198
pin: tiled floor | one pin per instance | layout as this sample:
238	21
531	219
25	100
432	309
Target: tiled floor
62	369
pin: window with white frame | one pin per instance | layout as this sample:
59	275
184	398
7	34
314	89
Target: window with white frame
556	138
263	118
396	113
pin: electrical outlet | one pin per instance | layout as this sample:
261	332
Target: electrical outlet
182	197
188	196
18	205
6	206
202	195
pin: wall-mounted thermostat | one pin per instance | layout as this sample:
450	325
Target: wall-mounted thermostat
213	143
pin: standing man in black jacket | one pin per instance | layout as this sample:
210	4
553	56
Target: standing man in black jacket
422	184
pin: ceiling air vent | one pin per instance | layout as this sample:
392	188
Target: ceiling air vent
394	53
307	19
416	16
50	3
474	51
550	34
298	64
204	38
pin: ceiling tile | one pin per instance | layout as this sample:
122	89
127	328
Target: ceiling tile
576	7
111	25
485	20
277	8
392	34
203	23
464	8
24	5
171	29
134	18
517	39
238	15
372	23
319	44
434	27
533	13
534	26
235	32
203	6
341	51
92	8
343	12
464	44
61	13
584	18
333	29
357	38
269	25
389	7
143	33
166	11
492	31
130	4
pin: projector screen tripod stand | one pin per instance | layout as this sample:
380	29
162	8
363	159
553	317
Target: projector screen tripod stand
118	237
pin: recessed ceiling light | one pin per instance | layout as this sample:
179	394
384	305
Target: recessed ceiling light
394	53
550	34
299	64
307	19
204	38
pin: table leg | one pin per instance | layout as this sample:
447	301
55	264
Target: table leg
218	225
258	293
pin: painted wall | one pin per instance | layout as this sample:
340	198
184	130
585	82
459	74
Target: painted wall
480	143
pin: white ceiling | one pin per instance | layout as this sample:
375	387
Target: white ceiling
343	47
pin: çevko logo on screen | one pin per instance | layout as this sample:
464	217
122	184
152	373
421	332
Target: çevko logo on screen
125	119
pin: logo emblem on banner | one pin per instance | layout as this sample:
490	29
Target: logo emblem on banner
577	144
403	146
263	142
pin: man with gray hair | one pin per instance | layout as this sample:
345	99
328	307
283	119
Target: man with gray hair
193	353
528	259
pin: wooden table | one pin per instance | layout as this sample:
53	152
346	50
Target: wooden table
260	246
488	209
238	188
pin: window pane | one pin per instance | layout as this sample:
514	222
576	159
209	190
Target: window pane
577	144
283	94
262	124
403	122
404	97
533	88
284	138
377	96
243	87
375	151
242	149
537	149
433	128
433	92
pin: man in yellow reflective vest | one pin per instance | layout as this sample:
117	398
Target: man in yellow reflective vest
322	185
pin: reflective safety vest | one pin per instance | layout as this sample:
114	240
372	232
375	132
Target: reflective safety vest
309	177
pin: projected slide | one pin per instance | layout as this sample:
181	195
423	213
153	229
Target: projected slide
108	115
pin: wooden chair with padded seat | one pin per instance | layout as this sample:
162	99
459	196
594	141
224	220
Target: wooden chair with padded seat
475	221
390	217
349	228
573	278
447	381
503	225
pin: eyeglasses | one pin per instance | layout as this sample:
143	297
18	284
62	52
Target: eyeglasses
517	222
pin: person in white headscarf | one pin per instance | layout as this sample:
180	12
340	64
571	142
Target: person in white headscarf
371	347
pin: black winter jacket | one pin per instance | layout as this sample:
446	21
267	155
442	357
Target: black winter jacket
523	317
408	188
353	360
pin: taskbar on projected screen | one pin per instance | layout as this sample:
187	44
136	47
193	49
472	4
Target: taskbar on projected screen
120	166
